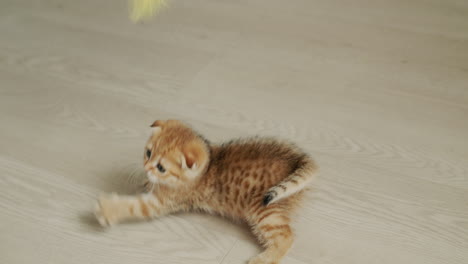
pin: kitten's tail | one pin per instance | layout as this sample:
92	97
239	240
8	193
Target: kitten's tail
295	182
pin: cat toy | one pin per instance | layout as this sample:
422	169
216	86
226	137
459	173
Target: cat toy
145	9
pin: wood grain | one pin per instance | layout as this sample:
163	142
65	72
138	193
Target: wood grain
376	91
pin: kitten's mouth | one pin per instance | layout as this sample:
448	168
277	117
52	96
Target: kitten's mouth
151	177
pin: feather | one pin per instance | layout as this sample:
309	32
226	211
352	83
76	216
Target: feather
145	9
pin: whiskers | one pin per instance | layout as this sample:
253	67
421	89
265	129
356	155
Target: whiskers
136	176
132	177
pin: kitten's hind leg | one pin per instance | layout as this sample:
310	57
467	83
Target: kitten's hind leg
272	228
114	208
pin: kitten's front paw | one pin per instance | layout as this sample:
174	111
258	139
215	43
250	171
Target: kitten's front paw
106	210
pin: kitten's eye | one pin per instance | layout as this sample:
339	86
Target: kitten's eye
161	168
148	153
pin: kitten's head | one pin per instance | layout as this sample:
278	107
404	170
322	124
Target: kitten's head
174	155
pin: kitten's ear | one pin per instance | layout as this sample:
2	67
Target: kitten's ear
194	156
157	123
156	127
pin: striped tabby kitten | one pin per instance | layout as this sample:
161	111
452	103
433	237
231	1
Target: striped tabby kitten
259	181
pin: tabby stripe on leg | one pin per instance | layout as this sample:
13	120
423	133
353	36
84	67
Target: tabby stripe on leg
144	208
269	228
283	234
266	214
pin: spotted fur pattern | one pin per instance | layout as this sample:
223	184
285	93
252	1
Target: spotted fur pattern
260	181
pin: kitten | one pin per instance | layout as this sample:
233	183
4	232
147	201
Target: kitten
257	180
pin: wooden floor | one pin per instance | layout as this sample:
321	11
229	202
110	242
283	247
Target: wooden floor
376	91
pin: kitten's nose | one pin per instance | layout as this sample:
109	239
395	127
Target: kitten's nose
148	166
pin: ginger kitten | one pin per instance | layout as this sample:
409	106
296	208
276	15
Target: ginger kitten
257	180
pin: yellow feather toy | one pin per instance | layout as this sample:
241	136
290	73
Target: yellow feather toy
145	9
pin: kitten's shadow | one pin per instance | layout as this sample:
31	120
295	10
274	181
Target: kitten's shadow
89	220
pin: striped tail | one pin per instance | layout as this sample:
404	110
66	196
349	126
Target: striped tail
295	182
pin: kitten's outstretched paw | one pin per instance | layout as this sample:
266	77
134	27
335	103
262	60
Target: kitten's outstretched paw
100	215
106	210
